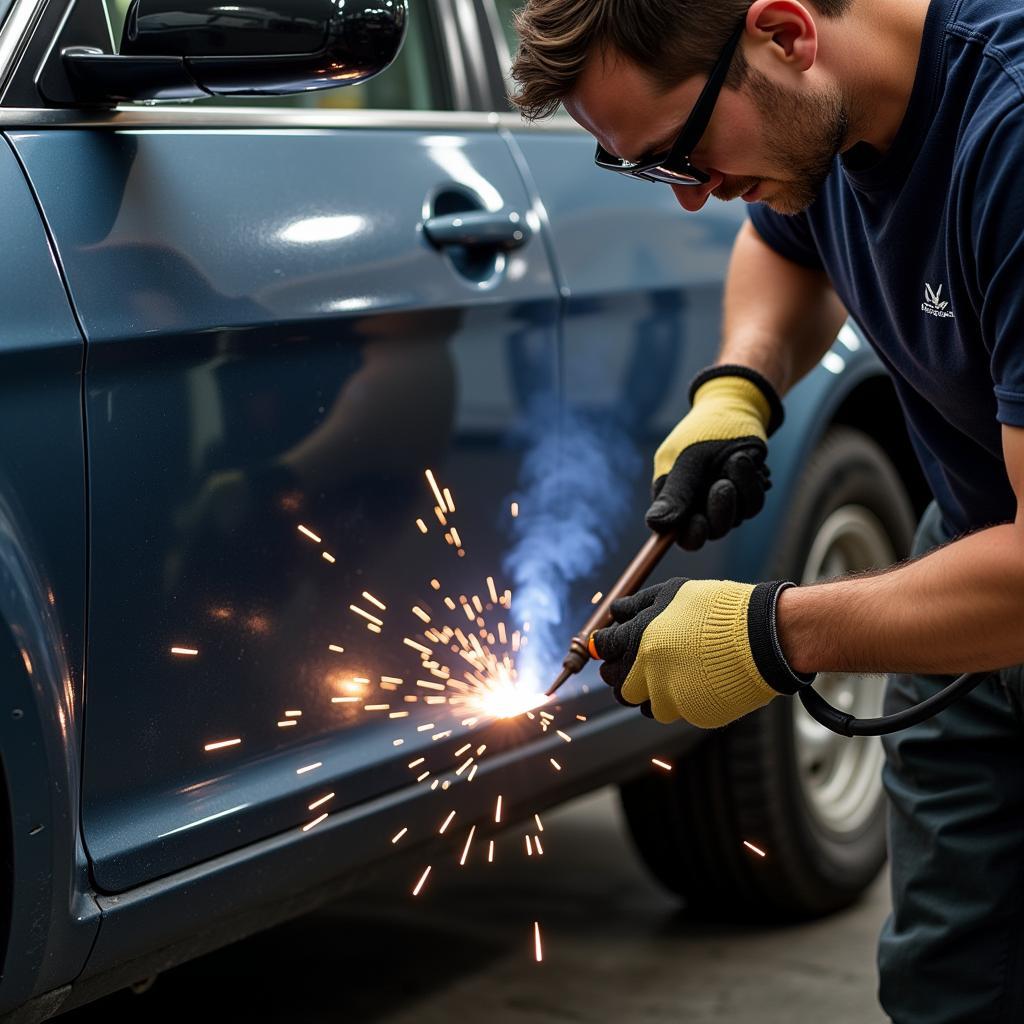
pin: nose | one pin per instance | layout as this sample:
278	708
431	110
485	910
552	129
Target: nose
693	197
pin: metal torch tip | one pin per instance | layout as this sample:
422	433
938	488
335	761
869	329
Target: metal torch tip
562	677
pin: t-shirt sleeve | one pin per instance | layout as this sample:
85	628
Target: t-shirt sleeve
997	256
789	236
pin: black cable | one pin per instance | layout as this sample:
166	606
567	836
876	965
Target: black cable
846	725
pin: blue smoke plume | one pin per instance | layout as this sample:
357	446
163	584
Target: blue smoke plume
574	493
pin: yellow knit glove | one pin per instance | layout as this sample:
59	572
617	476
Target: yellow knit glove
710	472
706	651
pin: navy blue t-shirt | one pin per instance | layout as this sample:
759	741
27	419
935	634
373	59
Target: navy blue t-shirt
925	247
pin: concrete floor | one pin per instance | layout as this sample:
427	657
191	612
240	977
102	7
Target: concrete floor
615	950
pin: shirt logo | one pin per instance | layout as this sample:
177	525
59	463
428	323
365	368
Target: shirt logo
934	304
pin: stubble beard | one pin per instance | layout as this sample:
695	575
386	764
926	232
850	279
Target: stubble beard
805	134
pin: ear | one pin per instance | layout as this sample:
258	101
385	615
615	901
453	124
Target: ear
787	28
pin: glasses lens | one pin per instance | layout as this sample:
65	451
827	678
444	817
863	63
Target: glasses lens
670	177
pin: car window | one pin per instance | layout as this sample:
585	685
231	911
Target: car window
415	81
506	13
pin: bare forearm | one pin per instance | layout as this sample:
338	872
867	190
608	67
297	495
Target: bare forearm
958	609
780	318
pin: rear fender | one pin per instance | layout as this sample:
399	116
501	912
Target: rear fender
811	407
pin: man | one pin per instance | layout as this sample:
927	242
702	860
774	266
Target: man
880	145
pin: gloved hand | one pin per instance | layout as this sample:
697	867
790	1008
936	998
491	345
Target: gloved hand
706	651
710	472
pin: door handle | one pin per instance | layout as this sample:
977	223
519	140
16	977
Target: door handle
478	229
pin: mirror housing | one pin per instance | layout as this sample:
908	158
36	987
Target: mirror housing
186	49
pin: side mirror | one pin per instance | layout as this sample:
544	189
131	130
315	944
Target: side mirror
186	49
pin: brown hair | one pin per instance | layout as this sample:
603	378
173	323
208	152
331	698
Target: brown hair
670	39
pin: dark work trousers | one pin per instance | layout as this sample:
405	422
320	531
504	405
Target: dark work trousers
953	948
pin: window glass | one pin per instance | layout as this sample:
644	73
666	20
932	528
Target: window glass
506	10
415	81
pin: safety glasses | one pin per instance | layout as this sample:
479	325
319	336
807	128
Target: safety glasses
674	167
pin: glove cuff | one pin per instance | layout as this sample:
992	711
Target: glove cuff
763	634
776	414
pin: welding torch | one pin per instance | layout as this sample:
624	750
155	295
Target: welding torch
582	649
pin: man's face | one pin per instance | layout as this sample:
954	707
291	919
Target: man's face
765	142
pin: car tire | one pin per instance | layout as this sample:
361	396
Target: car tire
775	779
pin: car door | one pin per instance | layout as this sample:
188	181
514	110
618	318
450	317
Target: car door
642	296
277	351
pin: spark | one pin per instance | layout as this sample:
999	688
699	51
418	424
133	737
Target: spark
375	601
376	707
428	685
422	526
661	764
448	500
481	749
439	512
501	633
433	486
529	846
441	735
597	597
293	714
415	646
284	725
315	821
399	714
366	615
555	764
433	785
397	743
190	651
515	509
456	539
451	604
536	843
581	718
317	803
445	824
309	767
309	533
462	750
396	837
391	679
465	849
417	610
345	700
425	728
419	884
373	628
328	557
490	852
436	584
336	648
538	952
425	775
565	736
220	744
497	812
462	767
417	762
751	846
491	589
540	827
472	772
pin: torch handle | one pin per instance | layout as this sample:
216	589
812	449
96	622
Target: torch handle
634	576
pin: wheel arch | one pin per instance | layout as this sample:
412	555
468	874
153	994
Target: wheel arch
850	387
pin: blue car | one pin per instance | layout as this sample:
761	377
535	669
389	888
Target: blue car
258	276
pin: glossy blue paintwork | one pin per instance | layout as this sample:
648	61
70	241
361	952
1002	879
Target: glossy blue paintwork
42	603
234	324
